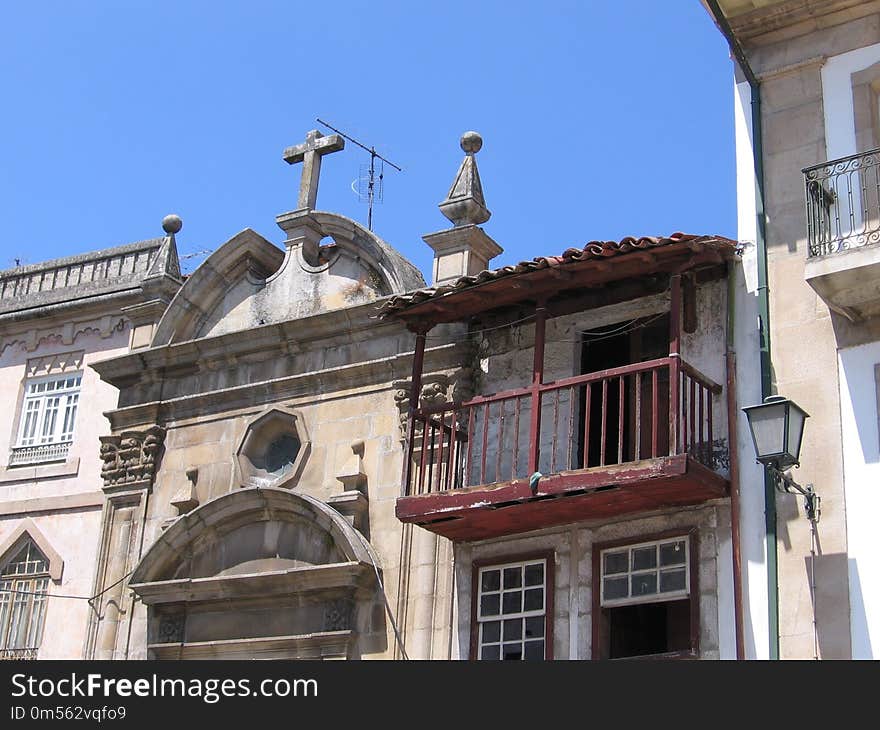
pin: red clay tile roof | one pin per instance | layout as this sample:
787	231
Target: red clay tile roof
593	250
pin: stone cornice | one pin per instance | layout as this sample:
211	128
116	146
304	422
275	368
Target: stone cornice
311	579
791	18
65	331
322	645
281	337
381	371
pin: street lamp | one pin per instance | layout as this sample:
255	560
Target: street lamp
777	427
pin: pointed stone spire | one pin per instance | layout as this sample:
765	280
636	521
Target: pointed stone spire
159	286
465	249
464	203
167	263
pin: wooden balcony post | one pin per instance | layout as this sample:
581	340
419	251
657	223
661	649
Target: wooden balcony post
415	390
675	360
537	380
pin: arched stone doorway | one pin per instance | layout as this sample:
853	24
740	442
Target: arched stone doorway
257	573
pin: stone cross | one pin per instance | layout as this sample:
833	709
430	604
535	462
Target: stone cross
310	153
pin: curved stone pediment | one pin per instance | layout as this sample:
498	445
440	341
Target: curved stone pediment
250	531
249	282
220	288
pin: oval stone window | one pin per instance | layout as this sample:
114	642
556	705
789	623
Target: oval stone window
281	454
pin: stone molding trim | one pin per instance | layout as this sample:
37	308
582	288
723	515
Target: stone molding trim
66	333
27	527
59	503
318	646
39	472
58	364
130	457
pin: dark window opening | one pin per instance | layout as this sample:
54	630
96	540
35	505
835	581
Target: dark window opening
648	628
613	346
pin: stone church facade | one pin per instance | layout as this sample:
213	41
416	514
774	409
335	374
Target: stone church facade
316	455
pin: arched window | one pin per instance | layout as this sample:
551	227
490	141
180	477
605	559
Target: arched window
24	585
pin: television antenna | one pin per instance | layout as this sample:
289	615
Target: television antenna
369	187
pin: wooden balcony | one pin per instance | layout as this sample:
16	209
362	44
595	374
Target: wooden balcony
621	441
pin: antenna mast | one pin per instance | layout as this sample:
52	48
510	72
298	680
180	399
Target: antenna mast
371	186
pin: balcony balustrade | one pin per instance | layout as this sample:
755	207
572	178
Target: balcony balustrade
843	234
39	454
645	422
843	203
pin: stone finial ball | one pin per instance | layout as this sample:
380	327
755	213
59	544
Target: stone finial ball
172	224
471	142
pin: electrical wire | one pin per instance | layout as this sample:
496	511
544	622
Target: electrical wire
487	329
370	549
813	539
62	595
593	335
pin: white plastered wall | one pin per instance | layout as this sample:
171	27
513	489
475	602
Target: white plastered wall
858	388
752	526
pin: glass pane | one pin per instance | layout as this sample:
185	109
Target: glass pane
281	454
512	602
795	431
490	652
615	588
672	553
534	627
5	604
491	580
616	562
644	584
489	605
35	627
513	629
29	429
534	599
768	429
672	580
491	631
18	622
28	561
50	415
534	650
535	574
513	651
644	558
69	416
512	577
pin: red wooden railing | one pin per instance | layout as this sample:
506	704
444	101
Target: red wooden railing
599	419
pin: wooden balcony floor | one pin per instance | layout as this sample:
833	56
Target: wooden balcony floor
476	513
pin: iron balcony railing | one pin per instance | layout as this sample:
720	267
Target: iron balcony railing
39	454
843	203
615	416
19	653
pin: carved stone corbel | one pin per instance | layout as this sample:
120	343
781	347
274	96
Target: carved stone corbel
130	457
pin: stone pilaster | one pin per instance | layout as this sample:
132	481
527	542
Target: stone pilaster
130	462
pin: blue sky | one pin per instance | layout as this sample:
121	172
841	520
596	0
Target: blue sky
599	119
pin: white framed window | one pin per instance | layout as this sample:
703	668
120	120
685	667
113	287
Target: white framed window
513	610
647	598
648	571
24	586
48	412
